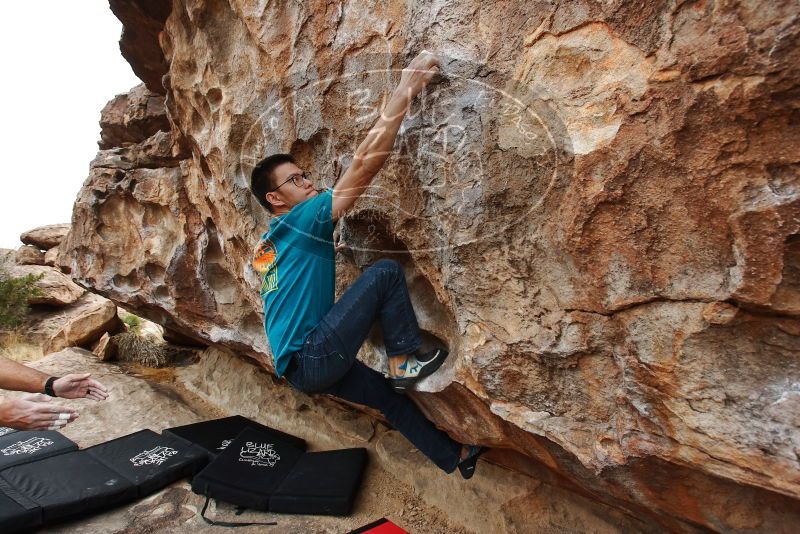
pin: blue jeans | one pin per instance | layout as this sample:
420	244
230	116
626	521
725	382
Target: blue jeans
327	362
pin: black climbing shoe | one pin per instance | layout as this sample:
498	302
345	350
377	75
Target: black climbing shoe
417	367
467	465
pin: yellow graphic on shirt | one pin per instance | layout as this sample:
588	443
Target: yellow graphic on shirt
264	264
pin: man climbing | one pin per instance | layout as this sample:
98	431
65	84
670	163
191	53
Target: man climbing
314	341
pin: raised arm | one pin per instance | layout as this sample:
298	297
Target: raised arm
374	150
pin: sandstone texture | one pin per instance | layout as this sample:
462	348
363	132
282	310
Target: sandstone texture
597	210
45	237
56	288
104	349
78	324
51	256
29	255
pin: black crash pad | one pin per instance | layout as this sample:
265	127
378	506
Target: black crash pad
30	445
150	461
321	483
17	513
216	434
4	430
69	484
248	470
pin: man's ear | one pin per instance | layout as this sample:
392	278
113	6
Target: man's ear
273	199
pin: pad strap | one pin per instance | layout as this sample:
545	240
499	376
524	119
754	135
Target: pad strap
226	523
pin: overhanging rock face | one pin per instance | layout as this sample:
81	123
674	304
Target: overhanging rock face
598	210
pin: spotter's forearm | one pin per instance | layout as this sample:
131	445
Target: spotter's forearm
17	377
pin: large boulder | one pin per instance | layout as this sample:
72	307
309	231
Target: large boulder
29	255
597	210
78	324
56	288
45	237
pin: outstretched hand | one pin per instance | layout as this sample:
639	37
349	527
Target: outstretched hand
35	411
76	386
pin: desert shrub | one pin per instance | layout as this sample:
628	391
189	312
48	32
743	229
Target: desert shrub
14	296
133	321
144	350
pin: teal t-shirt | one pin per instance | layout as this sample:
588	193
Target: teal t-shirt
296	262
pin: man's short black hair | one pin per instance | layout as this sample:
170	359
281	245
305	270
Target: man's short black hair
262	179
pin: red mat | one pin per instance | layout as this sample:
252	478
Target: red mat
381	526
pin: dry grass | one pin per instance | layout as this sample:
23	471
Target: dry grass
143	350
15	346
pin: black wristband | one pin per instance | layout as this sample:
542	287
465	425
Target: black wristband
48	386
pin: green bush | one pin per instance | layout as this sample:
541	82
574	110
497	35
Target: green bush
133	321
14	296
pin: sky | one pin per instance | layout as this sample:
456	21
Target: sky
61	64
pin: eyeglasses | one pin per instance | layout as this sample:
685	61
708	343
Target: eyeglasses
297	179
